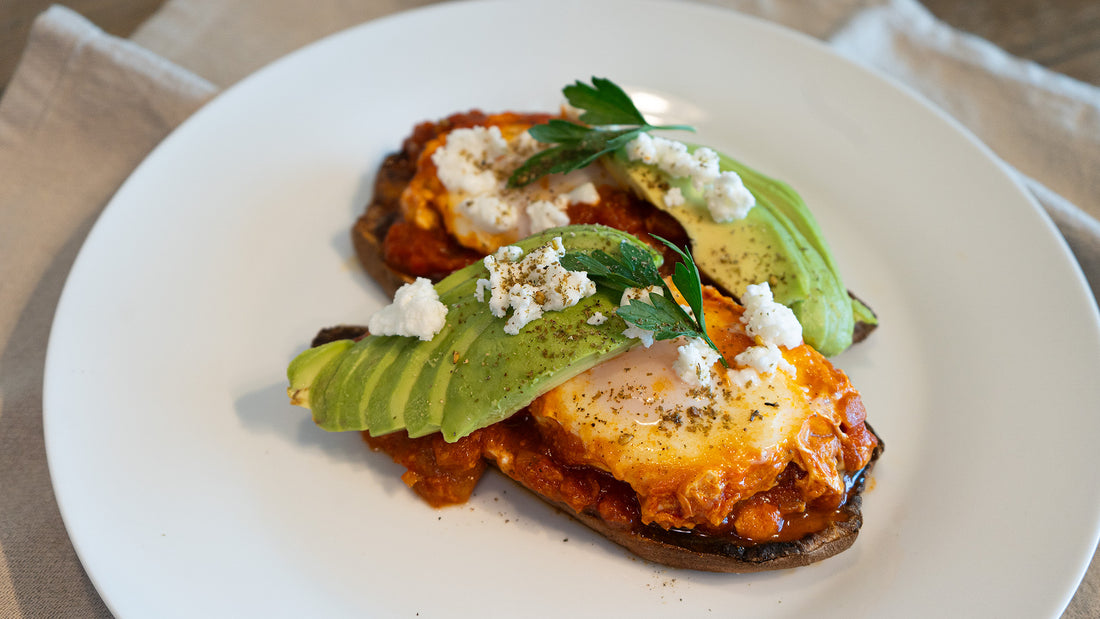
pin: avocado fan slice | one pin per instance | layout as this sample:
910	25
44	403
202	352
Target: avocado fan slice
471	374
783	197
779	242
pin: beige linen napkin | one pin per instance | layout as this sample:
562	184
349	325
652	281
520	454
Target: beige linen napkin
1043	124
84	108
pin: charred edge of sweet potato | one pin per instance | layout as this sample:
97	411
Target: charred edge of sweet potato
338	332
686	550
715	555
369	232
862	329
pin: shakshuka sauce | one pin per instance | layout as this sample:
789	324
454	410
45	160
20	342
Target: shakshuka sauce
445	474
432	252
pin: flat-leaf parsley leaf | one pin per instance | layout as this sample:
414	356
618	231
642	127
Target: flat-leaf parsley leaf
635	268
611	121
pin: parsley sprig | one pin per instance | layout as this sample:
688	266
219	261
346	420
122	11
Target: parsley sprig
610	121
635	268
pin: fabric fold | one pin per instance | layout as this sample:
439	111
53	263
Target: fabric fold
1044	125
81	111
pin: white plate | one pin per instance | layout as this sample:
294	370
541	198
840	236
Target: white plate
190	487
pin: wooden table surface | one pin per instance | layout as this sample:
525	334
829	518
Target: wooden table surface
1063	35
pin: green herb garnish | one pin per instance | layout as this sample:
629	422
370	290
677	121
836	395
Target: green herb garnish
635	268
611	121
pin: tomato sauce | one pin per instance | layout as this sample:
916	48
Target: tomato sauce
424	252
446	473
429	251
624	211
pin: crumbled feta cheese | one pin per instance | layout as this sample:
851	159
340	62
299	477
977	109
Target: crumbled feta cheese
642	149
764	359
523	146
674	197
767	321
415	312
743	377
724	193
694	362
772	325
631	294
479	293
538	283
490	213
635	332
705	168
545	215
465	162
596	319
509	253
674	158
474	165
729	199
584	194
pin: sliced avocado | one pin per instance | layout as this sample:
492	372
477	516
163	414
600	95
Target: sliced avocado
783	197
429	392
471	374
303	370
505	373
433	362
375	412
778	241
862	313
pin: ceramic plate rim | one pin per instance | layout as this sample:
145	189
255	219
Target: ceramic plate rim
75	503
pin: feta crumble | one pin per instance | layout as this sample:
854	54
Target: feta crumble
631	294
596	319
538	283
767	321
687	310
415	312
545	215
474	165
724	193
634	331
695	361
465	162
524	145
772	325
674	197
509	253
642	149
764	359
729	199
584	194
490	213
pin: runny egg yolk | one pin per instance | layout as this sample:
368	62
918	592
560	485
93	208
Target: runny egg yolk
692	453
